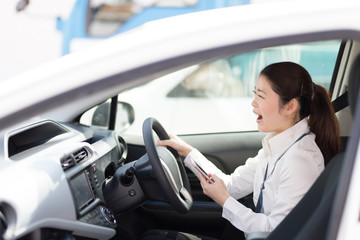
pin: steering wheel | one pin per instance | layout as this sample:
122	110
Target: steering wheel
167	167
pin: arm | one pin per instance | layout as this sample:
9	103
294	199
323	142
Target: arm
239	183
283	190
191	154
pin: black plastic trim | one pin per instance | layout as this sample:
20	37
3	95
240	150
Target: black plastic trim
337	66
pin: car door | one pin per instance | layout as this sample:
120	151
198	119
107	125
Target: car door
209	106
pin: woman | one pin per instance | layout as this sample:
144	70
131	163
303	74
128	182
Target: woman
303	137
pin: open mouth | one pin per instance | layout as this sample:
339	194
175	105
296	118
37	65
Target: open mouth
259	116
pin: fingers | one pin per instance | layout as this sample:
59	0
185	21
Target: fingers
205	181
210	180
165	143
214	177
215	190
169	142
173	136
176	143
202	178
205	184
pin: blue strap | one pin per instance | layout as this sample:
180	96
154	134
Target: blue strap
262	187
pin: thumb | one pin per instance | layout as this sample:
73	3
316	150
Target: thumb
214	177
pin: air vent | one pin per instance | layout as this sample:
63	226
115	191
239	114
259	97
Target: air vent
74	158
80	155
67	162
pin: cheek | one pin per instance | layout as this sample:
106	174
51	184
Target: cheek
269	109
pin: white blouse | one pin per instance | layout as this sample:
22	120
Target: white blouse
285	185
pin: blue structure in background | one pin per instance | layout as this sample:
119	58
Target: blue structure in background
76	25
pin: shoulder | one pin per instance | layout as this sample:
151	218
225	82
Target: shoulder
304	156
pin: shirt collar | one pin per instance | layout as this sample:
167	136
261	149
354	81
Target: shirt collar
278	144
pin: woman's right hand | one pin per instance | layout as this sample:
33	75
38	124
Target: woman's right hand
176	143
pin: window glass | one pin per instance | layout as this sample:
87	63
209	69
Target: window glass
216	96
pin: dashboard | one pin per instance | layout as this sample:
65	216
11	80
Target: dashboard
52	177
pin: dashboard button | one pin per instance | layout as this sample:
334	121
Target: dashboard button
132	192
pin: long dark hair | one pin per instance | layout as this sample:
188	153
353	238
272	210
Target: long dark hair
290	80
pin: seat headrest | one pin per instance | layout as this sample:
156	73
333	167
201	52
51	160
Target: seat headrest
354	83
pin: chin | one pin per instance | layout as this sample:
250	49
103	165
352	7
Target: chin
265	129
261	129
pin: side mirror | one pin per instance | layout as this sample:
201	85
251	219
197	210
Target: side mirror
99	116
124	116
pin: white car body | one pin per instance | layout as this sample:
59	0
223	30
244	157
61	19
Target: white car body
86	68
57	89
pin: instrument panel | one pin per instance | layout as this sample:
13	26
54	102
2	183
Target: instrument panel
58	172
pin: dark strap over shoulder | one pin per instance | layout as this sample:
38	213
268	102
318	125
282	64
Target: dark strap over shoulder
341	102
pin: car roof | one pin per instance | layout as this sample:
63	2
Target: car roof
59	87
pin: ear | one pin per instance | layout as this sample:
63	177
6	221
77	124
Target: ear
292	107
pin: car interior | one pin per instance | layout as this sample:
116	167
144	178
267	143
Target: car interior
89	182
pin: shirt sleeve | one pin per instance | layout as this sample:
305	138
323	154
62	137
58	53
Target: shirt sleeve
200	159
239	183
244	218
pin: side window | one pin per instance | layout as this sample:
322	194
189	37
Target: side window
215	96
210	80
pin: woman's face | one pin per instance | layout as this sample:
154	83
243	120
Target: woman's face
271	118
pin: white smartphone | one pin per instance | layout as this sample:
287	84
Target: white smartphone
201	171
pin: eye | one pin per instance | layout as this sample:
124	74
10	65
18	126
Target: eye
257	94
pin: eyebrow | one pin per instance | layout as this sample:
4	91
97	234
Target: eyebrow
259	90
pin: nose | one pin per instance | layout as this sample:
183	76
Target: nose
254	103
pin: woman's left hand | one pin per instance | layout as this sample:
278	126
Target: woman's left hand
215	189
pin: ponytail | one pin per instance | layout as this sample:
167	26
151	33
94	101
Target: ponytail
290	80
324	124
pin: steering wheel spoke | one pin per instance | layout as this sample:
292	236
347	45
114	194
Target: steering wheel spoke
186	195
